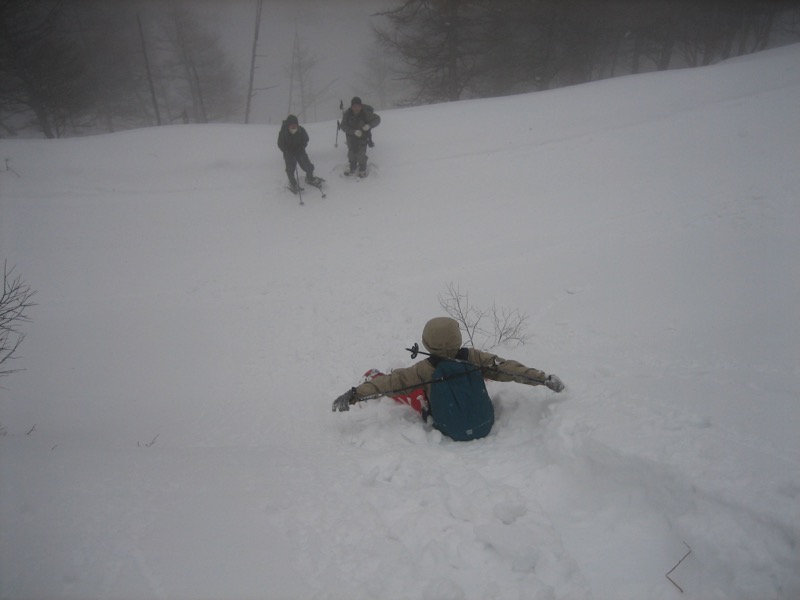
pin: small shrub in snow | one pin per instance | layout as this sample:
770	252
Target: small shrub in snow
15	302
485	328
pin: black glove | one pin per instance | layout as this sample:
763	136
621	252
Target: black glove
554	383
343	402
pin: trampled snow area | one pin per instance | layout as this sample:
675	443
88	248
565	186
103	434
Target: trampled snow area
171	435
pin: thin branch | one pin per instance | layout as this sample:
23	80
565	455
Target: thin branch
507	326
9	168
677	565
139	444
15	300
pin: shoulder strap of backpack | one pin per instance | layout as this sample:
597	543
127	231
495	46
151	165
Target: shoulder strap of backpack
461	356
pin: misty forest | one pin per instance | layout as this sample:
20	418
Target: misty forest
79	68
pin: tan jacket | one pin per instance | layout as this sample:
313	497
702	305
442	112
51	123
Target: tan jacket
442	337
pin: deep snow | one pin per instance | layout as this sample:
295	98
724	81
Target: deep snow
171	435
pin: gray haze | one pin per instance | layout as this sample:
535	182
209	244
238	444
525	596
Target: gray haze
336	32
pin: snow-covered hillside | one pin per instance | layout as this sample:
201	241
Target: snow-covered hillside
171	435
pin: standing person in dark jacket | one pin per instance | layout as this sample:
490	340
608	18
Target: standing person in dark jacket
357	123
292	141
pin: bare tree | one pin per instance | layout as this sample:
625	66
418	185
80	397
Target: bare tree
201	79
439	44
109	46
504	328
93	65
41	67
378	78
299	71
253	55
454	49
148	70
15	301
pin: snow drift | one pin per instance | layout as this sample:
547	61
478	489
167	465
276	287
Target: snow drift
171	435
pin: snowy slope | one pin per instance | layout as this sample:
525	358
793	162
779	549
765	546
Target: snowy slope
171	436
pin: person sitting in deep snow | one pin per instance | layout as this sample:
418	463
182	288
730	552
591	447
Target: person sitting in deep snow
413	385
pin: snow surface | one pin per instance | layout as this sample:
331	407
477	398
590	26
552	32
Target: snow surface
171	435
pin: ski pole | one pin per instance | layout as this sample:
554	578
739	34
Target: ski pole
297	182
339	123
415	351
416	386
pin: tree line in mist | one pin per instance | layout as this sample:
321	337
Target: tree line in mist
95	65
70	68
456	49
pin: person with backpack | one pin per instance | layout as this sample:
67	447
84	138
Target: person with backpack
358	121
292	141
448	387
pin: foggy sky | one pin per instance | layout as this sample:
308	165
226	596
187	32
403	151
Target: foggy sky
337	32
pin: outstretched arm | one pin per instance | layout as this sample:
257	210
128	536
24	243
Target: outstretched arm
500	369
396	382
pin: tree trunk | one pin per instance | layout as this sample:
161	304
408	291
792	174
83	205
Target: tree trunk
259	4
147	70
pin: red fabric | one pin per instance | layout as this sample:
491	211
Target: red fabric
416	399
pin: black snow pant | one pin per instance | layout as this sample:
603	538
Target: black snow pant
357	153
300	158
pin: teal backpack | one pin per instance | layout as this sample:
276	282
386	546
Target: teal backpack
459	403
